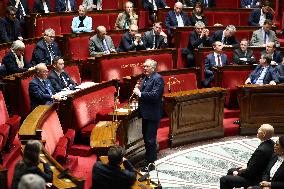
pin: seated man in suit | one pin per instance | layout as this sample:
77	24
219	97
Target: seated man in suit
14	60
22	8
110	175
250	3
276	55
46	49
280	71
259	15
10	29
227	36
197	38
41	91
155	38
131	40
243	55
263	73
59	78
176	18
251	173
101	43
82	23
273	176
264	35
215	59
152	6
42	6
126	18
65	5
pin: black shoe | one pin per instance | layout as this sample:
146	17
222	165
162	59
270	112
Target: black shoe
238	122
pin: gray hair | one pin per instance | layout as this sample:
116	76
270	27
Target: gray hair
231	28
101	29
39	67
153	63
31	181
199	24
18	44
178	4
49	32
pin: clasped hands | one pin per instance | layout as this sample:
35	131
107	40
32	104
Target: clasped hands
137	91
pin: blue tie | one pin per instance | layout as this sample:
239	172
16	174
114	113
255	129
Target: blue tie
46	87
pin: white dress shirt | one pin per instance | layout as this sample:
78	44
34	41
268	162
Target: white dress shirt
276	166
180	21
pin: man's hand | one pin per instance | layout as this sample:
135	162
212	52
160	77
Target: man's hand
272	83
235	173
56	97
163	34
248	81
137	91
265	184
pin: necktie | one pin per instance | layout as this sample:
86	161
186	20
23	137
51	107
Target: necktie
49	47
265	37
205	3
63	80
105	47
218	60
22	10
155	42
46	87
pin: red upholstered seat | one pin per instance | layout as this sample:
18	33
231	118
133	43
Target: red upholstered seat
29	51
73	71
181	60
60	153
52	5
85	108
25	106
100	20
116	38
4	133
81	53
170	3
112	20
48	22
143	19
240	34
244	18
232	4
227	18
31	4
66	22
2	54
184	39
113	4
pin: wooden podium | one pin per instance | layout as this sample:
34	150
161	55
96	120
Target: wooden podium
195	114
261	104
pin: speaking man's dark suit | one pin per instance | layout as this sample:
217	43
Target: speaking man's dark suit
150	109
280	72
58	84
148	39
255	16
194	42
61	5
269	75
251	3
105	176
11	65
217	36
38	6
277	56
171	21
39	94
255	168
127	44
9	30
41	53
20	10
238	53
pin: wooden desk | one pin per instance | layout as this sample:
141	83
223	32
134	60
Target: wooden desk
261	104
195	114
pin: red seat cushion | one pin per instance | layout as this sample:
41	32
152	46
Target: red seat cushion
48	22
60	153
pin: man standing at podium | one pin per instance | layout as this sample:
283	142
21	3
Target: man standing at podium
150	93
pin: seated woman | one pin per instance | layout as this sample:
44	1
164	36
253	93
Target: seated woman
29	164
42	6
197	14
14	59
126	18
82	23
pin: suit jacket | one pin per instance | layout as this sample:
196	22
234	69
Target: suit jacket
57	82
280	72
195	40
11	65
38	6
277	181
150	7
25	6
258	161
38	93
41	53
148	39
255	16
211	3
87	25
246	3
9	30
122	18
217	36
126	44
258	40
60	5
105	176
277	56
171	21
96	45
269	75
238	53
150	102
22	169
209	64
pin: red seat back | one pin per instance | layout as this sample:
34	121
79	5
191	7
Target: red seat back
79	47
113	4
232	78
112	20
3	110
48	22
74	73
29	51
100	20
2	54
66	22
232	4
25	106
227	18
116	38
86	107
170	3
143	19
31	5
180	82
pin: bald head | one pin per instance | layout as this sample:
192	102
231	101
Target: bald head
41	70
265	132
133	29
101	30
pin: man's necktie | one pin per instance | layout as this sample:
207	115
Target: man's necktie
22	11
51	52
63	80
46	87
218	60
205	3
105	47
265	37
155	42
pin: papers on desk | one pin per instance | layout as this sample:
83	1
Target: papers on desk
86	85
65	92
